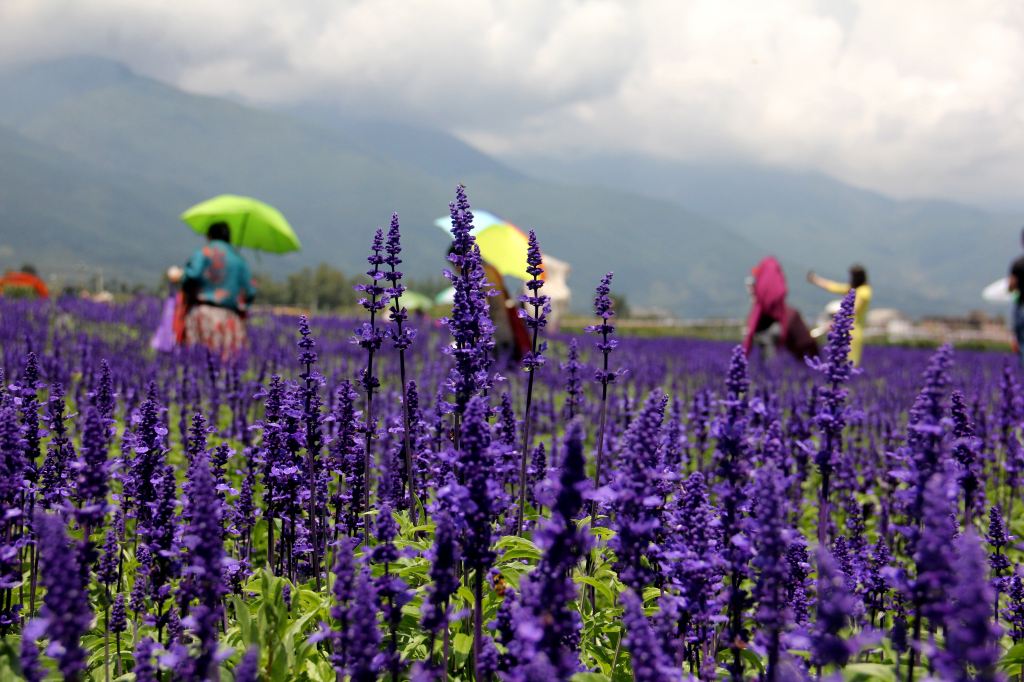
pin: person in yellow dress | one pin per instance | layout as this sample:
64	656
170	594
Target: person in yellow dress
859	283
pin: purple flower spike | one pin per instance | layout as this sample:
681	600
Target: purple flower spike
65	615
972	638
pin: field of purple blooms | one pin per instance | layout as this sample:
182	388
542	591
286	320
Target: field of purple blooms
382	499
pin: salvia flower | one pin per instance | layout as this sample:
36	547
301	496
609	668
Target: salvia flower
836	607
637	504
972	638
247	669
145	669
1014	611
832	415
966	455
204	540
469	324
650	662
444	561
65	612
771	539
92	471
363	634
538	305
545	621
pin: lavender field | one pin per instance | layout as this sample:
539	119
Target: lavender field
379	498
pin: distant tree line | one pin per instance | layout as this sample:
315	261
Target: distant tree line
325	287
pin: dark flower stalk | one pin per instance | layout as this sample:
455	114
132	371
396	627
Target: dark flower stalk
343	592
650	662
470	324
965	453
60	452
925	431
363	635
248	669
106	575
933	561
876	586
1014	611
92	473
573	387
473	467
546	623
346	459
370	338
401	337
12	468
31	669
798	583
972	634
145	671
444	561
732	468
696	567
536	319
835	608
314	436
31	440
204	539
999	539
392	590
636	501
771	537
271	451
118	623
831	416
603	308
65	615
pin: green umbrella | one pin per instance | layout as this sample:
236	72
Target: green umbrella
254	224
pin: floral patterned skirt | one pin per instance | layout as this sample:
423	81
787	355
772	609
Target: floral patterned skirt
219	329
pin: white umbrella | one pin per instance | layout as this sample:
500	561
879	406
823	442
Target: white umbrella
998	291
446	297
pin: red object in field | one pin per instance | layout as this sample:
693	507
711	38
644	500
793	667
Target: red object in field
24	279
769	305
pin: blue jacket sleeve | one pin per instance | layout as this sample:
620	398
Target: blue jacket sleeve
248	285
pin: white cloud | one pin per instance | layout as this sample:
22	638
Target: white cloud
909	97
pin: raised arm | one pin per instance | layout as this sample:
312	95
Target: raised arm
827	284
196	265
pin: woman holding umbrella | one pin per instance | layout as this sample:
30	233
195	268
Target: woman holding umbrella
218	286
218	289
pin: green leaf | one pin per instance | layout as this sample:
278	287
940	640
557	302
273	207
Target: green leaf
462	647
602	533
751	659
243	617
590	677
868	672
605	592
1013	658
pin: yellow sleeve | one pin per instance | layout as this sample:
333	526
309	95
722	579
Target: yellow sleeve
835	287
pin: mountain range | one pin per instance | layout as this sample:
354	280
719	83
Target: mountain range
98	161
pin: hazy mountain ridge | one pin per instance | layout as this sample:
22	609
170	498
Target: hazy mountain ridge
100	161
924	255
149	148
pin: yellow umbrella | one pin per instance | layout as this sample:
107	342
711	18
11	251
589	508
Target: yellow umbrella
501	243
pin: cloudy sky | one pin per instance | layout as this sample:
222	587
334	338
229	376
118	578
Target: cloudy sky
911	97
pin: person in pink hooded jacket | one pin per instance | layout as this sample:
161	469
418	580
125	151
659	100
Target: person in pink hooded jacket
768	291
